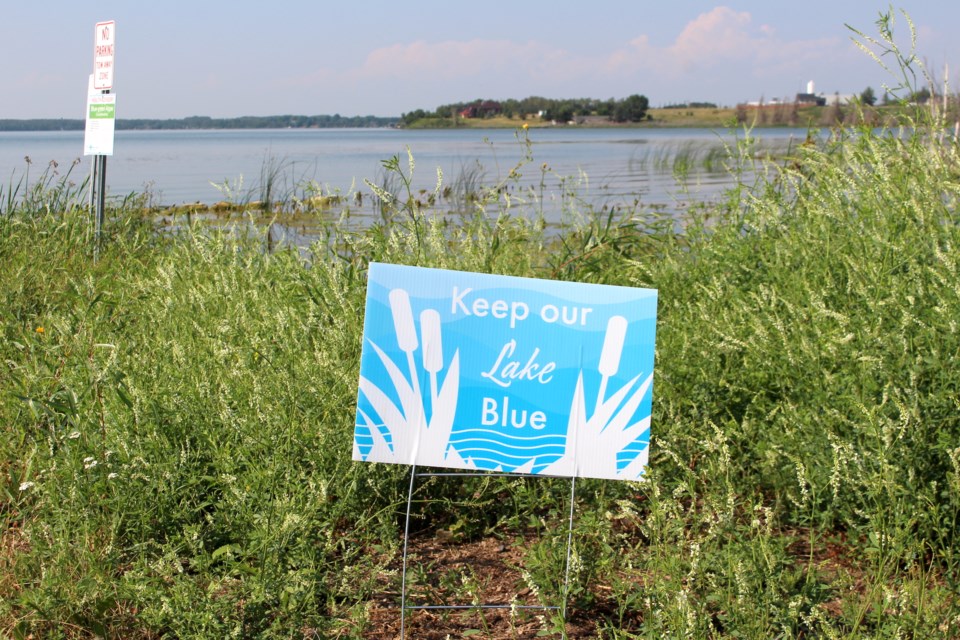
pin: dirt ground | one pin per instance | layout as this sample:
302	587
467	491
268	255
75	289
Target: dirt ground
482	572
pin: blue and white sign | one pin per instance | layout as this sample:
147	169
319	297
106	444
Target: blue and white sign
476	371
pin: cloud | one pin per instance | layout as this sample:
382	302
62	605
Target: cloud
718	48
456	59
722	34
721	39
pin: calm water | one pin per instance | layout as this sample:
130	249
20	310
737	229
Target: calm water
613	167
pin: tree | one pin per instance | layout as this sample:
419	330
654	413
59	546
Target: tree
868	97
562	111
413	116
631	109
920	97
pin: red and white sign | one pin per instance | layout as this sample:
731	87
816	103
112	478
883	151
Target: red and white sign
103	46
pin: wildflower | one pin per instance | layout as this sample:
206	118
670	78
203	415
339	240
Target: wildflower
89	463
40	330
25	485
111	476
525	126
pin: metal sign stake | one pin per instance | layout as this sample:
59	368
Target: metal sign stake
100	186
406	537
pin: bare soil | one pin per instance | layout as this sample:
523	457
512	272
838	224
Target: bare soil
485	571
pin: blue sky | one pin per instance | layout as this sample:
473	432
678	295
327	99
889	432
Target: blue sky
178	58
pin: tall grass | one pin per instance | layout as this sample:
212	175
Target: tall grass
54	190
176	418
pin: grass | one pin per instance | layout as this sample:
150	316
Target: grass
176	417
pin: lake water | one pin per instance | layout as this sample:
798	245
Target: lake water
612	167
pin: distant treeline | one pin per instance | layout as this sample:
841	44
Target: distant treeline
691	105
205	122
630	109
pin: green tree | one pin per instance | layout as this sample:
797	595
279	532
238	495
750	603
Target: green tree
413	116
632	109
921	96
868	97
562	111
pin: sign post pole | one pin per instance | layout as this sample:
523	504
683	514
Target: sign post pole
565	591
406	540
101	196
101	114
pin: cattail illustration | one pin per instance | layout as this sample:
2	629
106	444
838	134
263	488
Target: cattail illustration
406	332
612	351
405	416
432	349
613	423
403	320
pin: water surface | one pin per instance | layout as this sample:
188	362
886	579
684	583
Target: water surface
612	167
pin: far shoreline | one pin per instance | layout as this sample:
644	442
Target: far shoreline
774	116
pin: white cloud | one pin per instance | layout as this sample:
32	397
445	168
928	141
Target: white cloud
464	59
719	48
717	36
721	39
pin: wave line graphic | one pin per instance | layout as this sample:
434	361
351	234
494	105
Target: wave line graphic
468	453
557	436
478	443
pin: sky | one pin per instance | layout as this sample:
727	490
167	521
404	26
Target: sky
309	57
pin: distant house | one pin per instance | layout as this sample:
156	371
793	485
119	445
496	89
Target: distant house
481	109
810	99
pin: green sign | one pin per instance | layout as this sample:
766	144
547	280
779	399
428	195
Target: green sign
103	111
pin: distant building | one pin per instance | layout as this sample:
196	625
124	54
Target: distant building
481	109
809	99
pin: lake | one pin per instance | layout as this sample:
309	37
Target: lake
612	167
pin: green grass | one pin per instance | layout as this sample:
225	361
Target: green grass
176	417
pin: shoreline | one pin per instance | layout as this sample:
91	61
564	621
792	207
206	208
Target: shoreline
775	116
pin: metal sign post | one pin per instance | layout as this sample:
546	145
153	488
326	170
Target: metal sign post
101	115
404	607
100	187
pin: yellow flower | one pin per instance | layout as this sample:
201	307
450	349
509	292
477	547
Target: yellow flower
525	126
40	330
